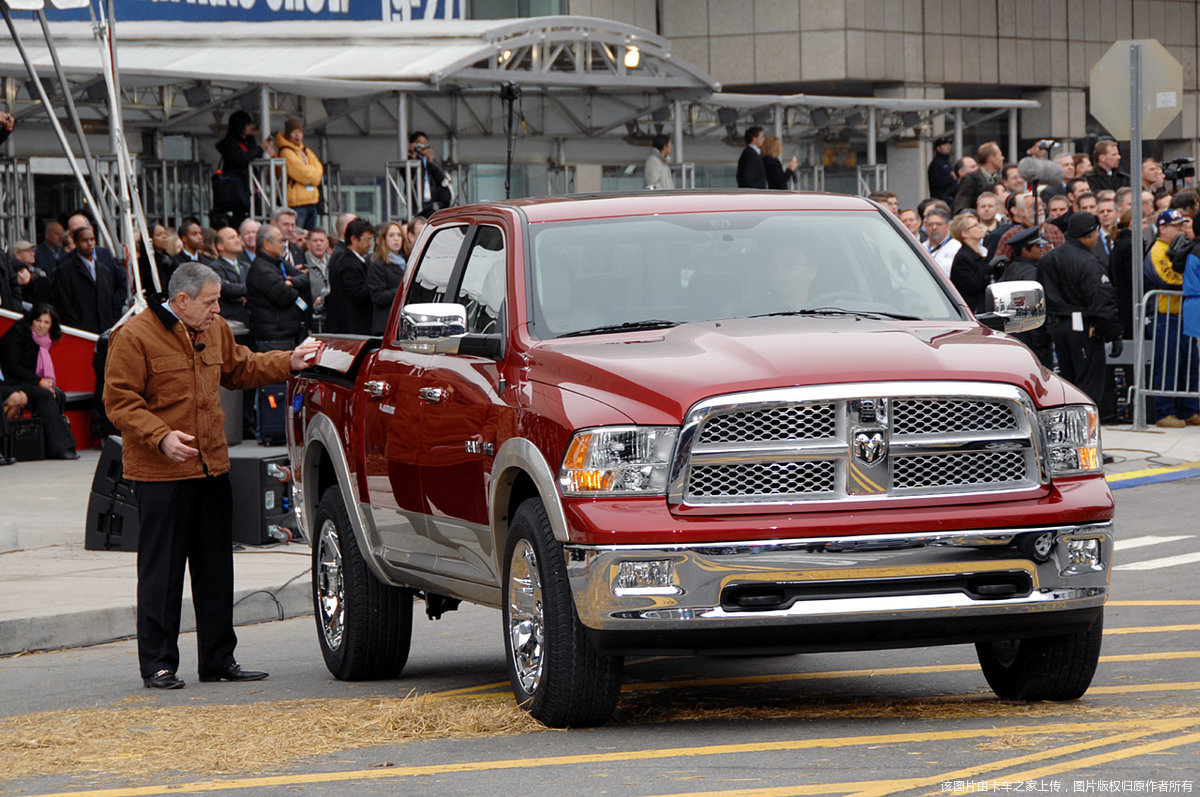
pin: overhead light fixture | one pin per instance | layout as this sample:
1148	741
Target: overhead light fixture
504	56
197	95
633	57
335	106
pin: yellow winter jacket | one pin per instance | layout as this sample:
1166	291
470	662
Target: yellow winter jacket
304	172
1160	275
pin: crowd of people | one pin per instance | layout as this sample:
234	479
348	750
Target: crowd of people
279	282
985	222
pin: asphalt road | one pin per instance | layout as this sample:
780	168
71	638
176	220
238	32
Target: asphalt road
918	721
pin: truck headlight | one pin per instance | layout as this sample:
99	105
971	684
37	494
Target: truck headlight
1073	433
618	460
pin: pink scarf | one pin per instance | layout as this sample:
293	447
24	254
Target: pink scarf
45	366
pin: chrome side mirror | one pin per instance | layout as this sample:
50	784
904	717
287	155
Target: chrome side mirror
432	321
1017	306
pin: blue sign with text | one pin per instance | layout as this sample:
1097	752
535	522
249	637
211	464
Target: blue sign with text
272	10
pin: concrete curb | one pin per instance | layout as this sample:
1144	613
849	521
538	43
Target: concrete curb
97	626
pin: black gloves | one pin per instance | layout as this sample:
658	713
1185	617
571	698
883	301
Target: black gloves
1118	346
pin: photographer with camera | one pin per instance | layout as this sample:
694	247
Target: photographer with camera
435	192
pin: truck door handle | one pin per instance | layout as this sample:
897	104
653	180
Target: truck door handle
376	387
433	395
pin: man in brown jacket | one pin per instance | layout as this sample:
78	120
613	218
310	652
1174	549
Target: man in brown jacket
160	389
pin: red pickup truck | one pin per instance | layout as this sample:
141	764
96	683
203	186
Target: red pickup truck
686	423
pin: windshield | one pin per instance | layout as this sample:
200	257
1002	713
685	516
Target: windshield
606	275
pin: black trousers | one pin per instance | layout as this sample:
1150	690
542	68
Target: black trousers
47	405
185	522
1080	358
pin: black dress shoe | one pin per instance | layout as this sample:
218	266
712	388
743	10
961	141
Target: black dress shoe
70	453
233	672
163	679
6	460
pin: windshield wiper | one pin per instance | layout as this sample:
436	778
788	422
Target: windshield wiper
840	311
628	326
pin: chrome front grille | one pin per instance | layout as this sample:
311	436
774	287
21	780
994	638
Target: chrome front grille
925	416
764	478
958	470
866	441
794	422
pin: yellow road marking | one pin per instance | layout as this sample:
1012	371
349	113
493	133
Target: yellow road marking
1175	686
1141	726
735	680
1152	603
881	788
1137	474
1150	629
1103	758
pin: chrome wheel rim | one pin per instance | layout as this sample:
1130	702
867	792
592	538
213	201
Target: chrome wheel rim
526	623
331	591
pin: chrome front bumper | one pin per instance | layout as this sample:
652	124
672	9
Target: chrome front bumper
950	580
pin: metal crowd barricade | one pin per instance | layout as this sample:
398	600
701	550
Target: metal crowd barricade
331	190
18	213
173	190
684	174
871	178
461	188
402	188
1182	380
268	187
560	180
810	178
109	198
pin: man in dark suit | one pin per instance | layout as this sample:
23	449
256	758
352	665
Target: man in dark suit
82	287
191	236
248	232
51	247
750	170
348	307
117	274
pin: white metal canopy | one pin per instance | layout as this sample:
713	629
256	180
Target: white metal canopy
348	59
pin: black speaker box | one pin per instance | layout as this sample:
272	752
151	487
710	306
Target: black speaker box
112	516
27	441
262	497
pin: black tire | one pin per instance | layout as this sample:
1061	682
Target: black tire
1042	668
364	626
556	674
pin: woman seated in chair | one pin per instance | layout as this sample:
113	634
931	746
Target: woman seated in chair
26	365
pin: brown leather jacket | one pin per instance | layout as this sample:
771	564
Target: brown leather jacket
156	381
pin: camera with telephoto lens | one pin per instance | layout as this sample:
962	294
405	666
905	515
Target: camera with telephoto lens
1179	168
1046	144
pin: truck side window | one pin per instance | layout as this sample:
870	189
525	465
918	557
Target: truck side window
436	266
482	288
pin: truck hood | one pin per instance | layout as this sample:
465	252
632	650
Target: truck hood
654	377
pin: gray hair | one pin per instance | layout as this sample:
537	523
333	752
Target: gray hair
190	279
268	233
245	225
277	213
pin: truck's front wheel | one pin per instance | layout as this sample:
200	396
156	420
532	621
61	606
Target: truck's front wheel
364	626
1042	668
557	676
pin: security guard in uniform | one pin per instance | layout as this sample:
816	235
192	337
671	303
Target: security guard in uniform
1081	306
1028	246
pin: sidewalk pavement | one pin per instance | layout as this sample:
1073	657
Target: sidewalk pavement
58	595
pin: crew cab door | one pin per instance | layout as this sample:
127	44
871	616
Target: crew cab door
392	413
464	413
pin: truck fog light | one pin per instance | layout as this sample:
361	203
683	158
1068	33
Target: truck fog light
1083	556
653	577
